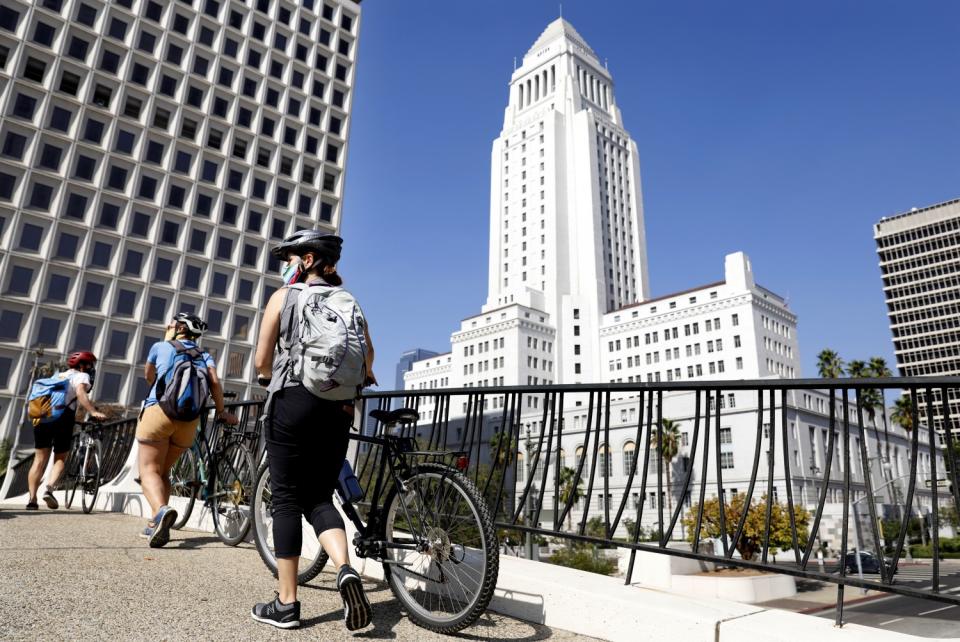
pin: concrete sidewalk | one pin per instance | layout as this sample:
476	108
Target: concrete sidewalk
66	575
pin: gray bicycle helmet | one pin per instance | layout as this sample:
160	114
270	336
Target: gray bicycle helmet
326	246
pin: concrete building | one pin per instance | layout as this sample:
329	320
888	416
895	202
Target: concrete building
406	362
149	153
919	253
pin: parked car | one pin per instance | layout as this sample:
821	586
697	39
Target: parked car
868	562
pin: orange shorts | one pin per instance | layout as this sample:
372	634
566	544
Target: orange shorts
156	426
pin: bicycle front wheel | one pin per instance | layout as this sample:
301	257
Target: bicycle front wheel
312	556
442	556
90	478
232	489
184	480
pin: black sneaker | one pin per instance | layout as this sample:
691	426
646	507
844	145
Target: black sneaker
283	616
356	607
50	500
32	506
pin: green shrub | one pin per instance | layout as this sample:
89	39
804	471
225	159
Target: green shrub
584	558
6	446
927	552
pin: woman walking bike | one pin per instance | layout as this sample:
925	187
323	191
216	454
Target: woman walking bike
323	357
53	409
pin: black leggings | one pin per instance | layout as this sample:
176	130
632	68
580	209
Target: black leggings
306	443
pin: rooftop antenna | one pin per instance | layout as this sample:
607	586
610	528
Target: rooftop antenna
605	65
514	63
561	9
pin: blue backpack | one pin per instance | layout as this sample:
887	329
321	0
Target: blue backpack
183	391
48	399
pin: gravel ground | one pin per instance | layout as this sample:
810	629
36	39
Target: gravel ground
66	575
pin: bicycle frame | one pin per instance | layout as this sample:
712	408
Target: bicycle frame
392	458
213	450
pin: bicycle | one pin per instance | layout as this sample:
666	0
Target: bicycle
83	467
433	533
223	471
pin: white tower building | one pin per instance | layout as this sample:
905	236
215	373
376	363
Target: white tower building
566	214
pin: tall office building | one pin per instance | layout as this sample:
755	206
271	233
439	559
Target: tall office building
406	362
150	151
919	254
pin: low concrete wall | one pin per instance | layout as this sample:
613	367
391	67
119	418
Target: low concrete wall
750	589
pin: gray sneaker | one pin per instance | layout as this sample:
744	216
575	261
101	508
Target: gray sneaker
356	607
50	500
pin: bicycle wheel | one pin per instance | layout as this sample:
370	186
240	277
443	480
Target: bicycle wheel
446	584
70	476
90	479
312	556
232	489
184	480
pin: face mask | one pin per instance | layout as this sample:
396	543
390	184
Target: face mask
290	271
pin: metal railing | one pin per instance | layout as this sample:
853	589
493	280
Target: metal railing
769	416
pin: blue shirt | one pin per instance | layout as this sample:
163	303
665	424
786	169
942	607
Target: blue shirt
161	355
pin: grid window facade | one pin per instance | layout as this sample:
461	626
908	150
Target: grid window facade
140	148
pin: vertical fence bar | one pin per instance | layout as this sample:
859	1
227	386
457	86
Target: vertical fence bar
771	457
868	479
758	444
703	471
727	551
935	517
603	400
950	461
606	468
826	478
693	457
626	493
845	394
786	473
911	486
660	466
576	477
559	468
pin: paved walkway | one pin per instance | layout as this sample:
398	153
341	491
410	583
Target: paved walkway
66	575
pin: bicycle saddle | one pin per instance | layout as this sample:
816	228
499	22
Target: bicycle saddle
400	415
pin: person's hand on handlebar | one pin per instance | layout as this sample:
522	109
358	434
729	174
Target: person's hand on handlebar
227	417
370	380
96	415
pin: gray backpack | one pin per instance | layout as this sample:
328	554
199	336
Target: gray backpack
329	355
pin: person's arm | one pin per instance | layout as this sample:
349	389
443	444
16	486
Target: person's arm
86	404
371	378
150	373
269	332
216	391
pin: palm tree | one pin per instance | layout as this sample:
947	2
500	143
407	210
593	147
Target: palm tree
902	414
669	436
868	399
829	364
878	368
569	492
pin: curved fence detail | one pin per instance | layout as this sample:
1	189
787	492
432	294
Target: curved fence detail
740	470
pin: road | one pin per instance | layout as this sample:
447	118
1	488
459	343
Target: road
924	618
66	575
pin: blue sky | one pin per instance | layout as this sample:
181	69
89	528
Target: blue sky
785	130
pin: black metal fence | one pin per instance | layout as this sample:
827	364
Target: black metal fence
768	415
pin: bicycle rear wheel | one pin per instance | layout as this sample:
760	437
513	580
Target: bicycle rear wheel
90	478
71	476
447	586
184	480
312	556
233	477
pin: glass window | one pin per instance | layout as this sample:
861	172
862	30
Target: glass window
85	167
67	246
219	285
40	196
174	54
117	178
86	15
24	106
60	119
14	145
110	387
148	187
133	262
215	320
245	291
147	42
118	29
191	278
92	295
153	11
102	95
181	24
170	232
140	74
132	107
141	224
48	332
161	118
57	288
204	206
125	141
230	212
117	347
109	215
176	196
198	240
93	131
250	255
85	336
155	152
78	48
241	326
21	278
43	33
163	270
126	302
157	309
10	322
224	248
100	257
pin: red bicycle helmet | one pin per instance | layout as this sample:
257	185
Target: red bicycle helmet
83	356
